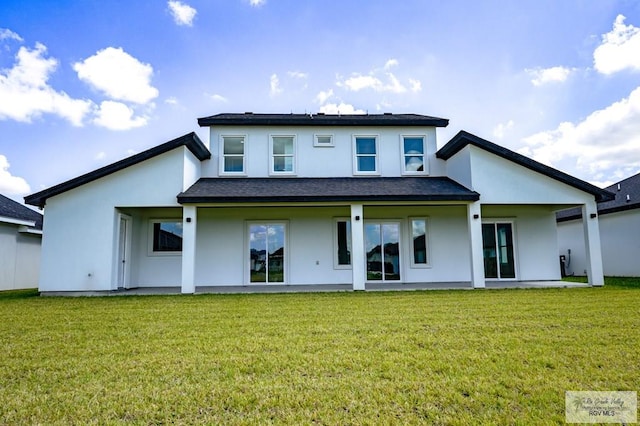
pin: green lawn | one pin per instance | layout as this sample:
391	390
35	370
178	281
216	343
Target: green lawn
432	357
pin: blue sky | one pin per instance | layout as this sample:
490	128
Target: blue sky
86	83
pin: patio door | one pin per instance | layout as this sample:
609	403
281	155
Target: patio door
267	253
497	244
124	248
382	247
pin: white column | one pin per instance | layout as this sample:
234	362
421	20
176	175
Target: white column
474	220
592	249
189	222
357	247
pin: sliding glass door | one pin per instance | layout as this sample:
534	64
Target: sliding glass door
382	246
267	253
497	244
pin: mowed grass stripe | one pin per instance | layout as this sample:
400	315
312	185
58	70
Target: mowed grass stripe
437	357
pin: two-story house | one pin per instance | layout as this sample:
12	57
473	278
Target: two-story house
302	199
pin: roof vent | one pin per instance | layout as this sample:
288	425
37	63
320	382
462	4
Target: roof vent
248	113
388	113
618	187
628	198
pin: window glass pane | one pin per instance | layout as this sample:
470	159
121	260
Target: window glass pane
366	146
233	164
413	164
283	164
413	146
366	164
489	250
283	145
344	242
275	242
373	247
419	235
391	240
505	248
324	140
167	236
258	253
233	145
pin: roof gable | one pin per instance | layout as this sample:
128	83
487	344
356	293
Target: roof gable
462	139
190	140
320	119
14	210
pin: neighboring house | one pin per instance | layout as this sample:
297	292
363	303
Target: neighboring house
20	239
296	199
619	221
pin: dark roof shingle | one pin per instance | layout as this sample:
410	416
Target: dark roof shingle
387	119
14	210
247	190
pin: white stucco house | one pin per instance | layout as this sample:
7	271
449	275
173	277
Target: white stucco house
304	199
619	222
20	240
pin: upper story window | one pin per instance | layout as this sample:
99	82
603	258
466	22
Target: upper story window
323	140
365	154
283	154
233	154
413	156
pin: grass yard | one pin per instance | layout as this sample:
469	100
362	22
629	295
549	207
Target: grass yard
431	357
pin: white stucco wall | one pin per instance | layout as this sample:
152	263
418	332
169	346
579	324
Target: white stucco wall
19	258
312	161
619	239
80	225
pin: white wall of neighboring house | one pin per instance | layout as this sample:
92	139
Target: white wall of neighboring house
620	242
19	259
80	227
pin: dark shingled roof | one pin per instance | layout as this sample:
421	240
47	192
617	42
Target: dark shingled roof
629	188
463	139
191	141
15	210
347	189
387	119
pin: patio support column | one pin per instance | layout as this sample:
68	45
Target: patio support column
474	220
189	222
357	247
592	249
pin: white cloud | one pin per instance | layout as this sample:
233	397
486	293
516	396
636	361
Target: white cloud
540	76
118	75
219	98
502	128
183	14
118	116
323	96
275	85
297	74
11	185
101	155
171	100
25	92
603	145
416	85
620	49
341	108
378	80
257	3
6	34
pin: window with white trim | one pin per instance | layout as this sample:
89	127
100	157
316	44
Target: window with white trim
283	154
413	155
419	242
342	247
365	150
232	158
323	140
165	236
